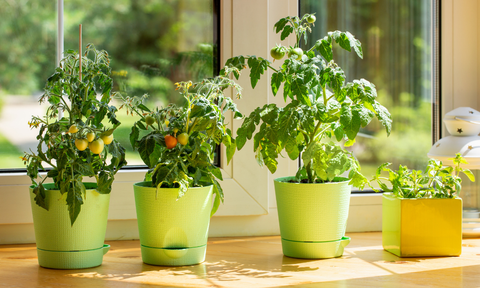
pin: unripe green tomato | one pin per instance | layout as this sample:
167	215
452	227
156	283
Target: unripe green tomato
183	138
311	18
277	53
295	53
149	120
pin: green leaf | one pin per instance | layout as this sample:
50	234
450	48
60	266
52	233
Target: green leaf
52	173
83	168
148	146
357	179
182	180
469	174
270	155
216	172
134	134
257	68
160	174
241	139
346	115
217	189
292	148
346	40
300	90
311	151
143	107
104	182
324	47
355	44
198	176
349	142
384	187
230	149
381	168
276	81
383	116
74	200
280	25
338	131
40	196
287	30
118	156
156	154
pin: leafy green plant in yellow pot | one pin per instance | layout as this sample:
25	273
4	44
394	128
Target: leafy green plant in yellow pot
174	203
70	216
422	213
322	110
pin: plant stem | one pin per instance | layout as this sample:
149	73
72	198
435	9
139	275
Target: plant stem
325	100
272	68
310	176
312	136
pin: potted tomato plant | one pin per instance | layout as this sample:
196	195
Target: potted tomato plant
422	213
69	215
322	109
174	203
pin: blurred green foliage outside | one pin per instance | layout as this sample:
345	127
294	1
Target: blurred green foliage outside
152	44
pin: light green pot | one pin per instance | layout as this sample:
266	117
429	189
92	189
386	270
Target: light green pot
62	246
312	218
173	232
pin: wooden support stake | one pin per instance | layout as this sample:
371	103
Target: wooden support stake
80	51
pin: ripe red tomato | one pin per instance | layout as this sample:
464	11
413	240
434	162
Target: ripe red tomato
170	141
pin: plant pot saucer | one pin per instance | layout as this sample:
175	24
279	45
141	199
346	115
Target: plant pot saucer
173	256
72	259
314	250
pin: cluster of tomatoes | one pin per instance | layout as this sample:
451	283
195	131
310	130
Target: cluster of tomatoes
278	52
170	141
95	145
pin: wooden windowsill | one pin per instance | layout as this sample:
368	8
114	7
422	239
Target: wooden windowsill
251	262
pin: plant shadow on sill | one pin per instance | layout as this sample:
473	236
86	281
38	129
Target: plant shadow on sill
465	276
222	270
370	268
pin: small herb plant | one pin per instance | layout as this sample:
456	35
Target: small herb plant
180	141
321	106
437	181
80	144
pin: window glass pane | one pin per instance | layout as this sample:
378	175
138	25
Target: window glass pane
152	45
396	42
27	58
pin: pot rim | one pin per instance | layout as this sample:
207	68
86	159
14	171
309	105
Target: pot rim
390	195
49	186
285	179
139	184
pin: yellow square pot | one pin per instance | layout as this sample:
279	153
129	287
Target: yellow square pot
422	227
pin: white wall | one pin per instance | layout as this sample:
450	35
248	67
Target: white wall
460	55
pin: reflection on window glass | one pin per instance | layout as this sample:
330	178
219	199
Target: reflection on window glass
152	44
396	42
27	58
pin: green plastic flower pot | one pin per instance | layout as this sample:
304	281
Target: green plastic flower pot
63	246
313	217
173	232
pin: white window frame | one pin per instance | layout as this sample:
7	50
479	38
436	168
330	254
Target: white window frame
250	207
